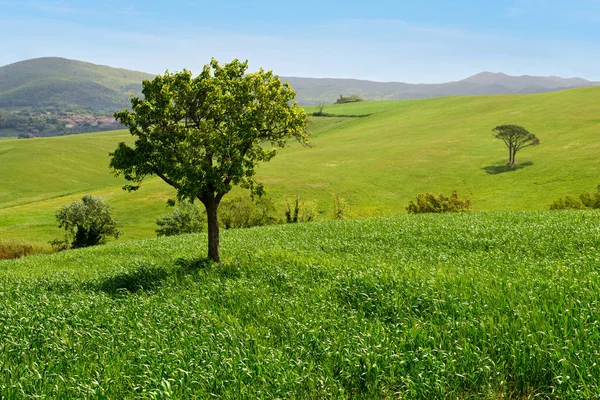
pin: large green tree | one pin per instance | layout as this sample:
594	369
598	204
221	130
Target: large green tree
204	134
515	137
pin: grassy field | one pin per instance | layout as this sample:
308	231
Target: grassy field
378	162
477	305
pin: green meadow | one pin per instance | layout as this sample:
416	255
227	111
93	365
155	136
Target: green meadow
377	155
497	303
473	305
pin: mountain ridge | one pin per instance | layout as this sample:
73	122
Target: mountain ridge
59	82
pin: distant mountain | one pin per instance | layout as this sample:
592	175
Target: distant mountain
325	91
59	84
549	82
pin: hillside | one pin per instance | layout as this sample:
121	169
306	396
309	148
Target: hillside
467	306
378	162
58	83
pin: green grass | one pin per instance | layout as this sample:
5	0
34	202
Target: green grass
476	305
378	163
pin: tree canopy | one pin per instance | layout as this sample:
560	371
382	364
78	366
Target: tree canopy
204	134
515	138
87	223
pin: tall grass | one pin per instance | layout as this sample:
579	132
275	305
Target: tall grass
494	305
10	249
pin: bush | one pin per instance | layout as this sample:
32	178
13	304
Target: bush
428	203
245	212
340	207
302	211
350	99
568	202
585	200
185	218
87	223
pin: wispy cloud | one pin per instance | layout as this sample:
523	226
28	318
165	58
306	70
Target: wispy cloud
104	8
376	49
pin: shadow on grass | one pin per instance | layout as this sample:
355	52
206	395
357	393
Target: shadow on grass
143	277
324	114
500	169
150	277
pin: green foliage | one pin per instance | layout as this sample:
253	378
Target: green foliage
429	203
185	218
349	99
88	223
245	212
585	200
202	135
340	207
300	211
515	138
567	202
468	306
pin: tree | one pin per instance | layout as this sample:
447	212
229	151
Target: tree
320	113
515	138
87	223
187	218
204	134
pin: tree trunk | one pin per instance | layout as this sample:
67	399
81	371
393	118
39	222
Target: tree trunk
511	156
214	252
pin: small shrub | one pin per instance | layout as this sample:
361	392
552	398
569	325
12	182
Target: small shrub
585	200
291	216
245	212
429	203
340	207
301	211
567	203
185	218
88	223
350	99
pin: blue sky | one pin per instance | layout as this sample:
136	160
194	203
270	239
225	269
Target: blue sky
409	41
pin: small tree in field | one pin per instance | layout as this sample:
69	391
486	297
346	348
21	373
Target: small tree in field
87	223
186	218
515	138
204	134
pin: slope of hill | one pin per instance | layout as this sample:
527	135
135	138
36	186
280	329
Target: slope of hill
378	162
59	83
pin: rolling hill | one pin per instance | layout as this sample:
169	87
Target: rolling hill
60	83
67	84
378	162
325	91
